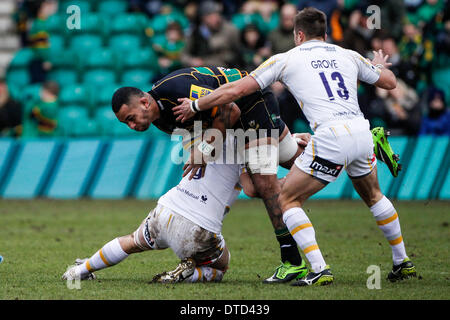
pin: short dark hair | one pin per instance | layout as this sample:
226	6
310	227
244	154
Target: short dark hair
312	22
52	87
122	96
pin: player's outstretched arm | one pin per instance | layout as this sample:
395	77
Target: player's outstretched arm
227	93
387	78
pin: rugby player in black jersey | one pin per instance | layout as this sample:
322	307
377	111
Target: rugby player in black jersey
257	111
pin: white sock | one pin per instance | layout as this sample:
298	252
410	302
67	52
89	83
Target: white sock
388	222
111	254
206	274
303	232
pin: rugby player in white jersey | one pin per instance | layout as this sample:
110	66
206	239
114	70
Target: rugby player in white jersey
323	78
188	219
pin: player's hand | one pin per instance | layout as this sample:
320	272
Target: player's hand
302	139
183	111
195	162
379	58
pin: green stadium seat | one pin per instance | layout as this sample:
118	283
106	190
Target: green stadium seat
102	58
86	128
56	24
98	78
74	94
139	59
105	119
18	77
64	76
92	23
57	42
85	5
21	59
160	22
84	43
69	117
130	23
137	78
102	97
124	43
66	58
112	7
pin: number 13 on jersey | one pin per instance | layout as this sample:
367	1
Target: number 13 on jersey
336	77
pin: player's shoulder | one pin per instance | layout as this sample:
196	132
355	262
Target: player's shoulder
172	79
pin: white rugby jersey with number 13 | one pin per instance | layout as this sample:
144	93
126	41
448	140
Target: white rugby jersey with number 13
322	77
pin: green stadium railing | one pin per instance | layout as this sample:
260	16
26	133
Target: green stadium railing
145	167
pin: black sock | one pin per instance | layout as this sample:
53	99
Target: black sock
288	247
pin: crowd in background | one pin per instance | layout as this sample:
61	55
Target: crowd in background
414	33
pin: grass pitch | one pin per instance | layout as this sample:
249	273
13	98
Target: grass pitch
39	239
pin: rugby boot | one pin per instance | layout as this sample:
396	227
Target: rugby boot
404	270
286	272
184	270
321	278
383	150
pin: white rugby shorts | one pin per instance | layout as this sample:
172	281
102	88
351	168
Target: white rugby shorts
336	146
165	228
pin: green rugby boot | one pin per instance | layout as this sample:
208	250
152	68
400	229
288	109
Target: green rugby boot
404	270
286	272
383	150
321	278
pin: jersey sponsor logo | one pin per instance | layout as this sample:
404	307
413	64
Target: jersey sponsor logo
325	166
197	92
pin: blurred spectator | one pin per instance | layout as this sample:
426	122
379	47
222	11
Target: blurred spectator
39	42
282	39
403	108
392	16
10	111
254	50
41	116
403	69
426	12
437	119
357	36
169	50
214	42
26	11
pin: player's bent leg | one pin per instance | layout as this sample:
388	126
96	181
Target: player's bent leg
388	222
109	255
263	169
213	272
291	265
383	150
298	187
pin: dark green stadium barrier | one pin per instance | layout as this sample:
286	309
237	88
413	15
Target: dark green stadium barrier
143	167
76	167
29	172
115	177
